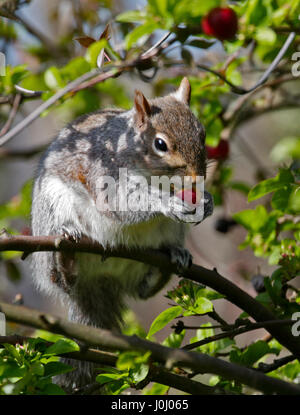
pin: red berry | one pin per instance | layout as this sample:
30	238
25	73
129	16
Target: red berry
220	152
221	22
188	196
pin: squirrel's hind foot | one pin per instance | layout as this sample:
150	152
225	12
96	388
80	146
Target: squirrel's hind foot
181	257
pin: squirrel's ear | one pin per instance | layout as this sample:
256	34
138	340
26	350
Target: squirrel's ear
183	93
142	108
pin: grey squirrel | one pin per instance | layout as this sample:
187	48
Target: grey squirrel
156	137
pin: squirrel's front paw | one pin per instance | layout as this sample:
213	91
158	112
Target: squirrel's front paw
181	257
179	209
70	233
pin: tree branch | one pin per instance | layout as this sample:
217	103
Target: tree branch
168	356
237	331
266	368
156	373
9	153
197	273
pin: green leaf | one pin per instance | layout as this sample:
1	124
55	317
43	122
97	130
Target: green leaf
130	359
252	219
19	205
291	370
139	373
35	82
162	6
280	15
56	368
203	305
288	147
202	333
104	378
201	43
209	294
252	354
280	199
256	12
53	389
174	340
53	78
159	7
10	369
117	387
62	346
136	34
48	336
38	368
283	178
265	36
191	11
294	201
163	319
131	16
75	68
18	73
239	186
93	51
156	389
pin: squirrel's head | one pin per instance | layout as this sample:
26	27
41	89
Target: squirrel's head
172	138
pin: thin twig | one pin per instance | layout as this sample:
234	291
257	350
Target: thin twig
12	114
277	363
239	103
155	46
37	112
236	332
239	89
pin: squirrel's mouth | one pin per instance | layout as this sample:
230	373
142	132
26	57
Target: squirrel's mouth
197	197
191	193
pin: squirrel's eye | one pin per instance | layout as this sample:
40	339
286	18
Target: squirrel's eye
160	144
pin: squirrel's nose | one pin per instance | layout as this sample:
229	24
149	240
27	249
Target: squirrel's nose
192	175
194	172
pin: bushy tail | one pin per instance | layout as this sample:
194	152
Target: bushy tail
95	303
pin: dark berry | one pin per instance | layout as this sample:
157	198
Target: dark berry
179	327
257	282
221	22
224	225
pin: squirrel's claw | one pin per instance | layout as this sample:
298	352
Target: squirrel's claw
181	257
72	235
